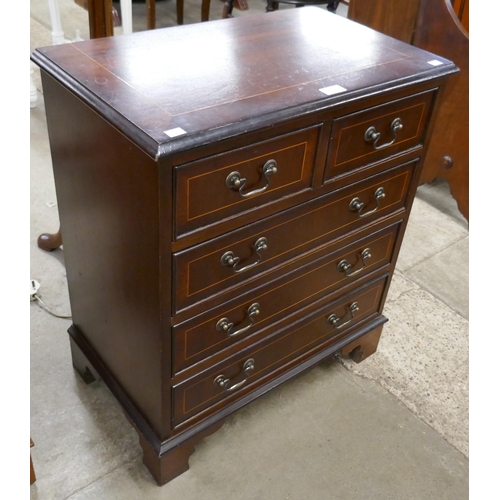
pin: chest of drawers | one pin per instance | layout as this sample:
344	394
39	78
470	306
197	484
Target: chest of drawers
232	196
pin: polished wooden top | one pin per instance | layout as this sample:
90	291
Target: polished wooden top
221	78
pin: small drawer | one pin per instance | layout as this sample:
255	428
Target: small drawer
379	132
242	372
247	316
215	188
223	263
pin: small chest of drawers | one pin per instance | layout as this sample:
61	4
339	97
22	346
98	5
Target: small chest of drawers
233	196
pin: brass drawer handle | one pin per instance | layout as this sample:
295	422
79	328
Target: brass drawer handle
356	205
235	181
221	381
333	319
226	326
345	267
371	134
229	259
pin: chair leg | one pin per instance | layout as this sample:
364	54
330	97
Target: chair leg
32	470
180	11
205	10
151	14
272	6
227	11
332	6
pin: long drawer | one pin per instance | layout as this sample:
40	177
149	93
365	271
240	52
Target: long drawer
221	264
244	317
243	371
211	189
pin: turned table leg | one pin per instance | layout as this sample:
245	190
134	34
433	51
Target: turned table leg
272	6
227	11
332	6
205	10
363	347
32	470
49	242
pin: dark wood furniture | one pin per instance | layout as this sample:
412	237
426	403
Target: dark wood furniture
441	27
101	22
100	18
151	12
461	8
102	15
231	221
32	469
331	5
50	241
227	11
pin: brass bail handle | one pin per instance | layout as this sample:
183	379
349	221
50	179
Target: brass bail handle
229	259
345	267
334	320
235	181
225	383
371	134
226	326
356	205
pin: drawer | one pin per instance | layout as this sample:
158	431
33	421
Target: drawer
242	372
212	189
374	134
247	316
223	263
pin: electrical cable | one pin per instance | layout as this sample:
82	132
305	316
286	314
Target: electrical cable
35	296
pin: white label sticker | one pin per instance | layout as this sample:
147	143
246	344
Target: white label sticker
333	89
174	132
435	62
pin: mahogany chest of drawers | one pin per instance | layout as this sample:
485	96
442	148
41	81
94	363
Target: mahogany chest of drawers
232	197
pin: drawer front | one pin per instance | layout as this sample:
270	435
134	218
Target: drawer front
376	133
239	374
196	339
215	188
223	263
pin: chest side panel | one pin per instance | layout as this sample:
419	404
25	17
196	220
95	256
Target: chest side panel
107	192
